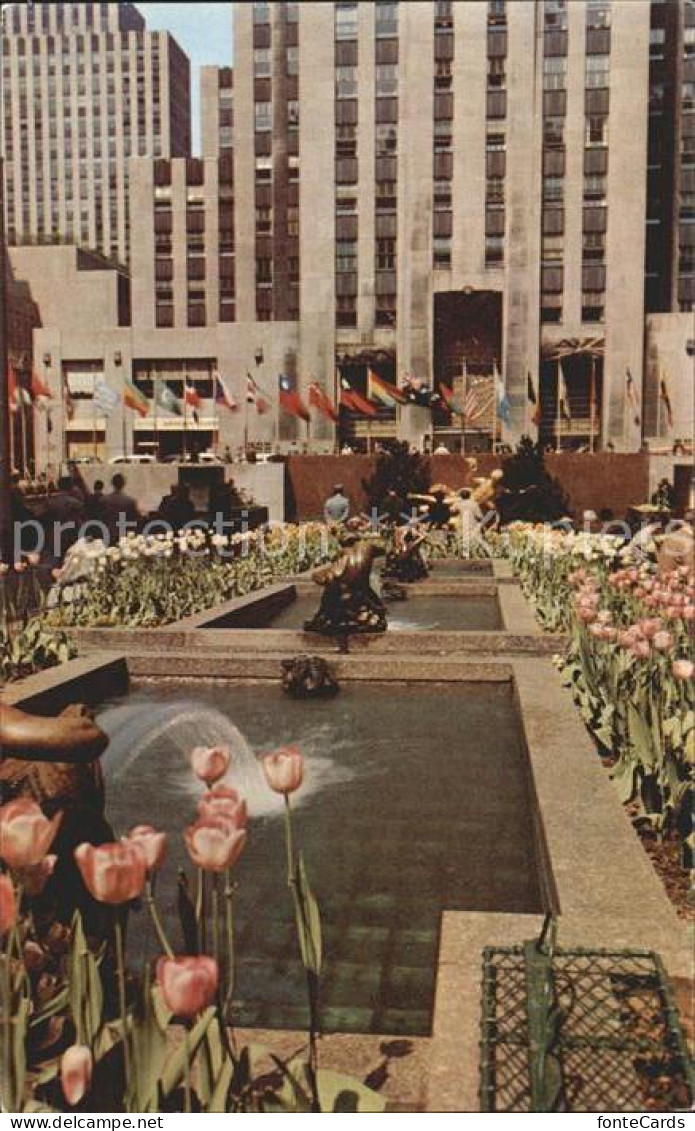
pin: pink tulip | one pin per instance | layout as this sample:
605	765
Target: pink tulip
8	905
188	985
627	637
214	843
210	763
663	641
605	616
650	626
683	669
75	1073
25	833
153	844
641	649
222	801
688	612
284	769
673	612
34	877
586	614
113	873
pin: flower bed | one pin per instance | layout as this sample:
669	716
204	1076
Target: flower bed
27	643
628	663
147	581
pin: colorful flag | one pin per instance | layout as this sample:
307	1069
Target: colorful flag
380	390
479	400
12	388
105	398
320	400
563	395
133	398
350	398
68	403
503	406
666	400
290	400
633	399
166	398
191	396
39	388
254	396
447	395
533	399
223	394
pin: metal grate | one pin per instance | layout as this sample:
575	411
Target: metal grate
619	1044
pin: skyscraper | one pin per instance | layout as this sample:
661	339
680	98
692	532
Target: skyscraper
85	87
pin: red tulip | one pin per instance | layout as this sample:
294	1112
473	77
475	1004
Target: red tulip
75	1073
188	985
35	877
153	844
284	770
113	873
222	801
8	905
25	833
214	843
210	763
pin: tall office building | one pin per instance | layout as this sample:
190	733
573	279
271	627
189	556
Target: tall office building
217	111
85	87
439	187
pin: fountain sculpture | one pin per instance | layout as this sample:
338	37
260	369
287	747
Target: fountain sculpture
349	604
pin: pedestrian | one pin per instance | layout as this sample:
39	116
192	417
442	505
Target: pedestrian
337	507
121	512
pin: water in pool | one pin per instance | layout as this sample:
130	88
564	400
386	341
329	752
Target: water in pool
418	613
416	800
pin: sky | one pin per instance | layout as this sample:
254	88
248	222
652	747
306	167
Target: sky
204	31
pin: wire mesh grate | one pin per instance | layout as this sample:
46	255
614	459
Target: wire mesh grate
620	1045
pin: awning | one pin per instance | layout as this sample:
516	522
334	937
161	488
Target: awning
571	347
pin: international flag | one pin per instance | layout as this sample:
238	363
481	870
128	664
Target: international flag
380	390
290	400
12	388
633	399
223	394
351	399
532	397
448	397
503	406
563	395
254	396
320	400
191	396
166	398
479	400
666	401
68	403
105	398
39	388
133	398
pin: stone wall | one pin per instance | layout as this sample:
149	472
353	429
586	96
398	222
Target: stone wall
595	482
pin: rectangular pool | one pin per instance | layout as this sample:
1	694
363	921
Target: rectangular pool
416	800
418	613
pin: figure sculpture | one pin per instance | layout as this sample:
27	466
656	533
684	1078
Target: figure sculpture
348	602
308	677
404	561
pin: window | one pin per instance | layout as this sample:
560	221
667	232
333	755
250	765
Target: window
595	188
346	21
386	79
598	13
292	60
597	129
261	63
262	115
554	72
553	188
346	82
597	71
494	250
441	252
345	255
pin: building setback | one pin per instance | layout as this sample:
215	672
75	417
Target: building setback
85	88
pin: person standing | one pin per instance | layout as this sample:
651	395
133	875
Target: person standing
337	506
120	509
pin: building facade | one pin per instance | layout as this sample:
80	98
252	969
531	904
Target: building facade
217	111
85	88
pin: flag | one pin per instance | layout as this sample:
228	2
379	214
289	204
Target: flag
166	398
254	396
666	400
380	390
532	397
633	400
105	398
223	395
320	400
350	398
447	395
479	400
191	396
39	388
563	395
133	398
290	399
503	406
68	403
12	388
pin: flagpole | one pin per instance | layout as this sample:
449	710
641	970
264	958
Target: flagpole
94	417
558	412
494	407
185	411
464	374
23	431
592	404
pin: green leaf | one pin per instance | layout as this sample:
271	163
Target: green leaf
175	1067
339	1092
308	920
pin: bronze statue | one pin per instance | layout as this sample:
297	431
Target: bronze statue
348	603
56	762
308	677
404	561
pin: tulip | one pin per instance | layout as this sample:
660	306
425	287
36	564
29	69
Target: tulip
188	985
34	878
222	801
153	844
284	769
210	763
650	626
662	641
214	843
75	1073
585	614
113	873
641	649
25	833
8	905
683	669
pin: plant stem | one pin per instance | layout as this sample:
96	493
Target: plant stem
8	1099
229	930
122	1002
215	919
157	923
187	1079
289	843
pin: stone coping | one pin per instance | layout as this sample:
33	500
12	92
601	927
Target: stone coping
87	679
